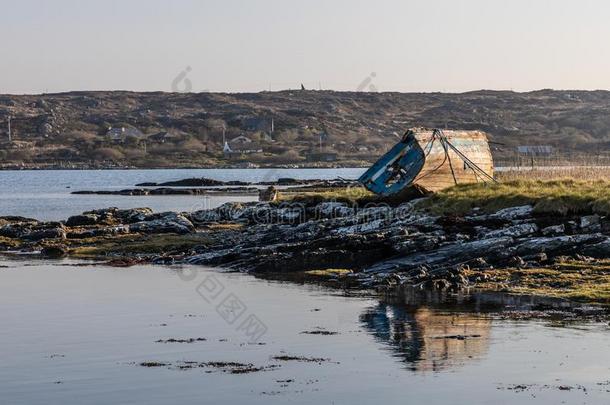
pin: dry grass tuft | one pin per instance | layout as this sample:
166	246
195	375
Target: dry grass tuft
582	173
573	280
559	197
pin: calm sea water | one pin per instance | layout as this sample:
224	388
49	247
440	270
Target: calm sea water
77	334
45	194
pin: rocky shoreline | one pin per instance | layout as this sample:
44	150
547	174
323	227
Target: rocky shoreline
374	246
204	186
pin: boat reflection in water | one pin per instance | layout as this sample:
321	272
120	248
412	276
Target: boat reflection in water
438	330
429	339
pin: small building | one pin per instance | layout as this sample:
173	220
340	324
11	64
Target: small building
239	146
535	150
321	157
162	137
119	134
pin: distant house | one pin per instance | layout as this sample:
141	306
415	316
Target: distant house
321	157
119	134
535	150
162	137
257	124
241	145
267	137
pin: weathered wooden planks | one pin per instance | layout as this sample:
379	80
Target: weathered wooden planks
433	160
443	167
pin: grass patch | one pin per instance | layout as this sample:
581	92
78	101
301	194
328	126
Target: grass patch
140	245
586	173
348	195
573	280
327	273
356	196
8	243
549	197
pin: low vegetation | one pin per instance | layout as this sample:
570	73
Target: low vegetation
586	173
133	245
551	197
574	280
348	195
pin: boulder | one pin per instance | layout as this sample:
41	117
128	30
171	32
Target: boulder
82	220
513	213
590	223
204	216
46	233
169	222
54	251
333	210
515	231
554	230
132	215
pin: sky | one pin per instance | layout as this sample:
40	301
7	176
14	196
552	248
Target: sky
249	46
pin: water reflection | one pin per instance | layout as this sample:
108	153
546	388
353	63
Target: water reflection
428	339
439	330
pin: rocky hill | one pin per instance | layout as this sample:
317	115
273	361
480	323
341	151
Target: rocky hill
105	129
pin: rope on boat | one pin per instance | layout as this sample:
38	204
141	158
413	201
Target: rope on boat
478	172
473	166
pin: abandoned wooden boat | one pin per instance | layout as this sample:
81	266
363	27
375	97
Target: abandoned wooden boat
432	160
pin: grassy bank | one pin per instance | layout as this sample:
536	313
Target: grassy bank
584	173
574	280
559	197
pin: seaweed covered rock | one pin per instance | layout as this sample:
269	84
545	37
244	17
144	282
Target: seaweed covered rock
165	222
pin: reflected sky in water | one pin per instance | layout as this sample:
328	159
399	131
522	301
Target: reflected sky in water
75	333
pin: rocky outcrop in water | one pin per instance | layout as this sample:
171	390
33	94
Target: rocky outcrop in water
380	244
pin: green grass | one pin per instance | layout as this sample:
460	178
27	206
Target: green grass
353	196
573	280
559	197
348	195
139	245
327	273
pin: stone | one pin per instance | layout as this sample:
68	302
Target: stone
515	231
82	220
204	216
554	230
169	222
516	261
54	251
590	222
268	194
46	233
513	213
333	209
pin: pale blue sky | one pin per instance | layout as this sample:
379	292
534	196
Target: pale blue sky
240	45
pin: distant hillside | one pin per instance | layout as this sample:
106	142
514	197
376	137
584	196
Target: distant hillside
104	129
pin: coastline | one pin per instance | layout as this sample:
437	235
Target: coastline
330	240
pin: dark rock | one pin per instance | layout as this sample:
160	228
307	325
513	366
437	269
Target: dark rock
50	233
514	213
169	222
516	262
515	231
54	251
82	220
193	182
590	223
129	216
268	194
554	230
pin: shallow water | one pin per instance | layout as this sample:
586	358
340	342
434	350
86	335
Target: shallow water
45	194
76	334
